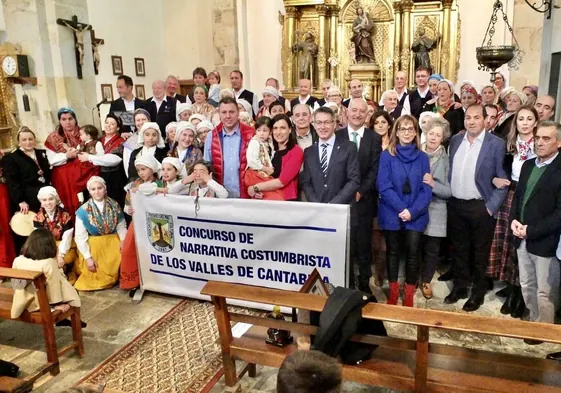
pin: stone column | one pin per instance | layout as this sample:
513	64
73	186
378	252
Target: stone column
334	10
322	56
51	52
291	15
446	65
225	36
397	45
407	6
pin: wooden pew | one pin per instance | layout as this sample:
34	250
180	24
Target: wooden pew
398	364
47	320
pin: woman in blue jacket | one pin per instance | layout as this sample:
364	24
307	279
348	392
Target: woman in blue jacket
404	202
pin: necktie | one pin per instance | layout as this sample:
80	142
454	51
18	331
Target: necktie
323	160
355	140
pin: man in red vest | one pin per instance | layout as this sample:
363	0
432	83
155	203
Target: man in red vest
226	146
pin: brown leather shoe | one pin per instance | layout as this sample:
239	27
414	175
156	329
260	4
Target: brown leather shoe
426	290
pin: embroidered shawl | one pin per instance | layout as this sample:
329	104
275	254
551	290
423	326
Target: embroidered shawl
100	223
62	221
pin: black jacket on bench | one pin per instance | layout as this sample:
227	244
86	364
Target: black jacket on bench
340	319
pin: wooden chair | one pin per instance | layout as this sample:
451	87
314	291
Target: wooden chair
398	364
47	320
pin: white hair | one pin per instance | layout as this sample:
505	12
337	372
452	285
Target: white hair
387	93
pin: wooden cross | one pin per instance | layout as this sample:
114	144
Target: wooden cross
96	42
78	28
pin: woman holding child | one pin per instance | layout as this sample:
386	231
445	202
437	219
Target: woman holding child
286	162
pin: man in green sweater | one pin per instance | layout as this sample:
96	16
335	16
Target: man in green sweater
536	224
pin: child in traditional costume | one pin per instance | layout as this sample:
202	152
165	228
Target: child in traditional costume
201	183
184	147
173	171
140	116
89	135
259	153
150	143
53	217
203	128
148	169
38	254
99	234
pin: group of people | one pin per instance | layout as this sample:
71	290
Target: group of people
429	175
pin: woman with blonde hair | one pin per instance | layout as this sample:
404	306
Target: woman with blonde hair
489	94
404	202
503	261
334	95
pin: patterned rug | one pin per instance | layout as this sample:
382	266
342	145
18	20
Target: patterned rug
177	354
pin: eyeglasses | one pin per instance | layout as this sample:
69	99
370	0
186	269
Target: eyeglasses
323	123
407	130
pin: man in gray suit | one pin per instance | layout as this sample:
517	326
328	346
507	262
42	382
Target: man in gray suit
476	157
331	171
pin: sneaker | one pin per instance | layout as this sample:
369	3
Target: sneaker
426	290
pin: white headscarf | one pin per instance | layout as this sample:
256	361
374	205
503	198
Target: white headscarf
245	117
197	116
449	83
149	161
48	191
95	179
152	126
182	107
270	90
177	164
205	124
246	105
171	125
182	127
426	114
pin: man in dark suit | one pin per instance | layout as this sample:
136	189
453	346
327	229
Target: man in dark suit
421	95
357	90
305	97
331	172
536	224
364	205
126	101
161	107
172	85
476	157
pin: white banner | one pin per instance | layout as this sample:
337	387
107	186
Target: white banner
182	245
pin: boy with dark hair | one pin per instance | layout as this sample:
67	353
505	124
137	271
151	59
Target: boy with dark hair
309	372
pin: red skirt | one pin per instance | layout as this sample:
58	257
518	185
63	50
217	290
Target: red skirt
253	177
69	180
7	248
130	277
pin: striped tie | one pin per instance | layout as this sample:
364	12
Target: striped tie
323	160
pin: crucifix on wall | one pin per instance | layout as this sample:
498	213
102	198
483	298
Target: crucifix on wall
78	29
96	42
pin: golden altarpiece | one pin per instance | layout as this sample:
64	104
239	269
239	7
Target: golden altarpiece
329	24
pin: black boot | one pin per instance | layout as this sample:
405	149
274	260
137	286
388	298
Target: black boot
510	303
505	292
448	276
519	306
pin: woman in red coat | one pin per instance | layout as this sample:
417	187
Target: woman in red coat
7	249
69	175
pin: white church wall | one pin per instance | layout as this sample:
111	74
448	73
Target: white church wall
132	28
260	40
475	15
188	36
551	43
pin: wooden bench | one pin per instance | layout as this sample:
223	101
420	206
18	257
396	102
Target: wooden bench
398	364
43	317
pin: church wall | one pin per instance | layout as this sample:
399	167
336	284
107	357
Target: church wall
188	35
475	15
260	37
528	27
130	28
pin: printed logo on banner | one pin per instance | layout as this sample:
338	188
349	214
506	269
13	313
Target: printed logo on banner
159	228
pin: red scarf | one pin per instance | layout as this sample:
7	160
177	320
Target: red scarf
114	143
55	141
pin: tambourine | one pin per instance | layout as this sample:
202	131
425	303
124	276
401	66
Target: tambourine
22	224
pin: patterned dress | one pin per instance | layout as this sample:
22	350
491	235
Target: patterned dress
105	230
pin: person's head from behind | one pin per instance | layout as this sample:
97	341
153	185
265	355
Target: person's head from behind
40	245
309	372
